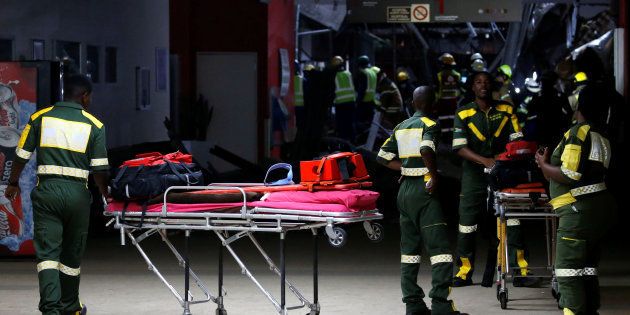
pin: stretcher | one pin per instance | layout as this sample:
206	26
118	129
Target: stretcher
523	203
231	222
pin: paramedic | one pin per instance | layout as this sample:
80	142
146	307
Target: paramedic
576	171
411	150
70	143
482	129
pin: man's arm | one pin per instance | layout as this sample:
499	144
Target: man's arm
13	188
470	155
101	179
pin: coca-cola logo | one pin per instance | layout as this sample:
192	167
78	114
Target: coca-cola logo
7	118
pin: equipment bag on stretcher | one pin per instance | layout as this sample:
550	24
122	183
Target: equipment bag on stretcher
516	166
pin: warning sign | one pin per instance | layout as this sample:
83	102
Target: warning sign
398	14
420	13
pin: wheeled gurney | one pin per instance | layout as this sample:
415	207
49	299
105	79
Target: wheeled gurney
231	222
522	204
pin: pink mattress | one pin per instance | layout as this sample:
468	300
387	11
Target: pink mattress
327	201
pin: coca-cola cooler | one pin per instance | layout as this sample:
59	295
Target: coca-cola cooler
25	86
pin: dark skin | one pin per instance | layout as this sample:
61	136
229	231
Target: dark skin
482	85
100	178
543	156
423	100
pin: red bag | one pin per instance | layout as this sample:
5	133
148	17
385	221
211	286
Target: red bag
517	150
333	169
156	158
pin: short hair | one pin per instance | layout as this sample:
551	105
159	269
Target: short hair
76	85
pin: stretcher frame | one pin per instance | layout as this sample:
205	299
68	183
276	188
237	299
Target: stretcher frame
230	227
522	206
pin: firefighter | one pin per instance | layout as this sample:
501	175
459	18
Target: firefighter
505	87
390	99
406	88
70	144
365	83
411	150
345	99
580	80
576	170
448	90
482	129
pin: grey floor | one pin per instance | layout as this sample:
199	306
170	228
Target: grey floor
360	278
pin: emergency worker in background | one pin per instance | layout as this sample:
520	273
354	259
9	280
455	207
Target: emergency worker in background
505	87
411	150
482	129
365	83
448	82
70	143
390	99
577	170
345	100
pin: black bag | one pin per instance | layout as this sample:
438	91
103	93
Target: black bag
511	173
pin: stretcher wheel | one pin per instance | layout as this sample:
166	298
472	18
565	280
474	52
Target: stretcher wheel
377	235
342	237
221	312
503	298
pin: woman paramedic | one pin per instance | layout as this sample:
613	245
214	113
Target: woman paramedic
576	170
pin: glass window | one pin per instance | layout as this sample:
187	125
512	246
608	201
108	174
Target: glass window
92	63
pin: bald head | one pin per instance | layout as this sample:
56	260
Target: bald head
423	98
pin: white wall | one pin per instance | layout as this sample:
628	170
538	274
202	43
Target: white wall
135	27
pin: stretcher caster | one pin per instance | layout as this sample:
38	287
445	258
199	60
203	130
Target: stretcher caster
503	298
340	237
221	312
376	234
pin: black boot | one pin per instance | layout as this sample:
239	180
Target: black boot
459	282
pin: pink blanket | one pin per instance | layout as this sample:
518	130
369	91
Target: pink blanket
327	201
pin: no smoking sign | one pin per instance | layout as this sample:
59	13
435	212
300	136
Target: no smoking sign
420	13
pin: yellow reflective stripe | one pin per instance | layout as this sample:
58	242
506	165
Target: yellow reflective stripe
516	135
567	134
466	113
93	119
24	136
459	141
47	264
427	121
583	132
562	200
520	260
41	112
69	271
464	269
503	122
410	259
62	170
386	155
571	156
476	131
23	153
504	108
418	171
65	134
467	228
570	239
515	123
99	162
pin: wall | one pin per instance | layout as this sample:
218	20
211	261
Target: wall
136	28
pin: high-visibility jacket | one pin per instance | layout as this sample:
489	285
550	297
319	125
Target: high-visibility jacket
298	90
448	84
344	88
370	91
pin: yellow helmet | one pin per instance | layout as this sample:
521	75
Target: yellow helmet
402	76
336	61
580	77
447	59
506	70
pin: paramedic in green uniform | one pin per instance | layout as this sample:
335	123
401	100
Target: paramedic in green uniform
576	172
482	129
70	143
411	150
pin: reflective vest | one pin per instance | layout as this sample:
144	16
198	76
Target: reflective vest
298	90
448	83
344	89
370	90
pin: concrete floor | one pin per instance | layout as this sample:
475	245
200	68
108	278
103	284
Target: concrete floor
360	278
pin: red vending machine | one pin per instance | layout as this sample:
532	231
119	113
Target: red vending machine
24	86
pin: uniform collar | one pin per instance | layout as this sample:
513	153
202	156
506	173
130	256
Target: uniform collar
69	104
418	114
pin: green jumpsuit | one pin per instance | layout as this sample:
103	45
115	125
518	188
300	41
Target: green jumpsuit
70	143
586	211
485	134
421	218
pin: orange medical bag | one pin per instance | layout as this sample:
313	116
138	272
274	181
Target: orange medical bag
333	169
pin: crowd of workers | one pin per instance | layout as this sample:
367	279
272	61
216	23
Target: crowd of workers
480	112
